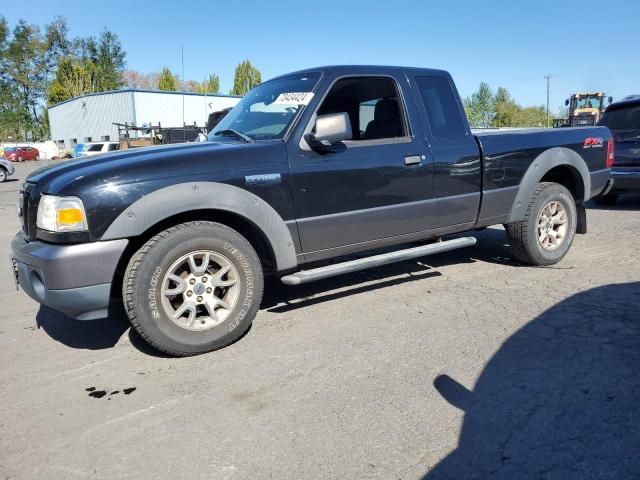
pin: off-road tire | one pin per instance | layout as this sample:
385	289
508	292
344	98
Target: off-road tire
523	236
142	284
608	199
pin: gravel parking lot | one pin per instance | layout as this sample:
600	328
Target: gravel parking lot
461	365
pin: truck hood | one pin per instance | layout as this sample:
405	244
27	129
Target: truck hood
141	164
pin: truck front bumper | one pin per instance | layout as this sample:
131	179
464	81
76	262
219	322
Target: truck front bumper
74	279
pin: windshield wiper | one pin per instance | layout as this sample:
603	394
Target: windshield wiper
235	133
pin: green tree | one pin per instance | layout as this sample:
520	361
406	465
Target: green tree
108	57
43	66
481	106
212	84
506	109
90	66
13	116
167	80
73	78
246	77
28	58
532	117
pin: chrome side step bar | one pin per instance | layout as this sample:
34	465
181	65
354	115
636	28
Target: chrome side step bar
305	276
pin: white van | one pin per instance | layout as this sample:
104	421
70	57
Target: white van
96	148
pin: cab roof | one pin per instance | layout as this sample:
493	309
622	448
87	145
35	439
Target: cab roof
365	69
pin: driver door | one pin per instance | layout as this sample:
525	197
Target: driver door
375	186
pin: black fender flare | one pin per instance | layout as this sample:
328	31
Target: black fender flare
554	157
185	197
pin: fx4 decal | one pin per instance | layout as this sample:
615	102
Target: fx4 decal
593	142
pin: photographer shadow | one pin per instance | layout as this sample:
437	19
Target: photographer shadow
559	399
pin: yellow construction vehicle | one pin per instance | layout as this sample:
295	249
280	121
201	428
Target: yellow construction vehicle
586	108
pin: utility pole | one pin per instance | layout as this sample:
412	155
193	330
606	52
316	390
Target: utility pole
548	77
182	88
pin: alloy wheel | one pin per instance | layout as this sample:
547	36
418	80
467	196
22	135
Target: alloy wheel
200	290
552	227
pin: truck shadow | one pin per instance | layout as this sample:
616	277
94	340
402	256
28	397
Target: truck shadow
559	399
492	247
630	201
278	298
87	335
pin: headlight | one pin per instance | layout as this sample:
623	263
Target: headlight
61	214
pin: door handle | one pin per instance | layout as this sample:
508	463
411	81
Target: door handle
412	160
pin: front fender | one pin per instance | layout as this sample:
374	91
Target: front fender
554	157
185	197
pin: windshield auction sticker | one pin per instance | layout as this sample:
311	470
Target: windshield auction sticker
294	98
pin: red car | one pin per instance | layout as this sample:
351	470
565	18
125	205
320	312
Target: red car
19	154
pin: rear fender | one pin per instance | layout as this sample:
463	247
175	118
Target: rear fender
546	161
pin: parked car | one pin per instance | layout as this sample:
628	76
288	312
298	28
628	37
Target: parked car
309	166
79	150
623	119
6	169
96	148
19	154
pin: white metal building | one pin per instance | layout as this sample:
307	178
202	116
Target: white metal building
90	118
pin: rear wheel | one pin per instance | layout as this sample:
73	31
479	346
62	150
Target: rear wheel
37	158
548	229
193	288
608	199
3	175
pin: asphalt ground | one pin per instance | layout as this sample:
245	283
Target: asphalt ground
461	365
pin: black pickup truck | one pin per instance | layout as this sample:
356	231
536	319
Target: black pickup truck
309	166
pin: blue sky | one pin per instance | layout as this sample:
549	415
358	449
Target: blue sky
584	45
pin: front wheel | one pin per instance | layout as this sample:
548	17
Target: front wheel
193	288
20	159
3	175
37	157
548	229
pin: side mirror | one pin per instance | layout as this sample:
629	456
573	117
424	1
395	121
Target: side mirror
330	129
566	103
610	100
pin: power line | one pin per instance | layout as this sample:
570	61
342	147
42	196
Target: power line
595	75
182	53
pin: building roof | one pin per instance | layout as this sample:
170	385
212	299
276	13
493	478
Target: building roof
140	90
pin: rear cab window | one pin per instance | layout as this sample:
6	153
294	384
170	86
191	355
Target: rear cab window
441	107
625	117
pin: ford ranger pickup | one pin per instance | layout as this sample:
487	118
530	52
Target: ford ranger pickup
310	166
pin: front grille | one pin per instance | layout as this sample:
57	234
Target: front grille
29	210
583	120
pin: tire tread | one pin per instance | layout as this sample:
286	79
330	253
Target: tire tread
128	288
518	234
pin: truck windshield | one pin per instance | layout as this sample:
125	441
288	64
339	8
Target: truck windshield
267	111
590	101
